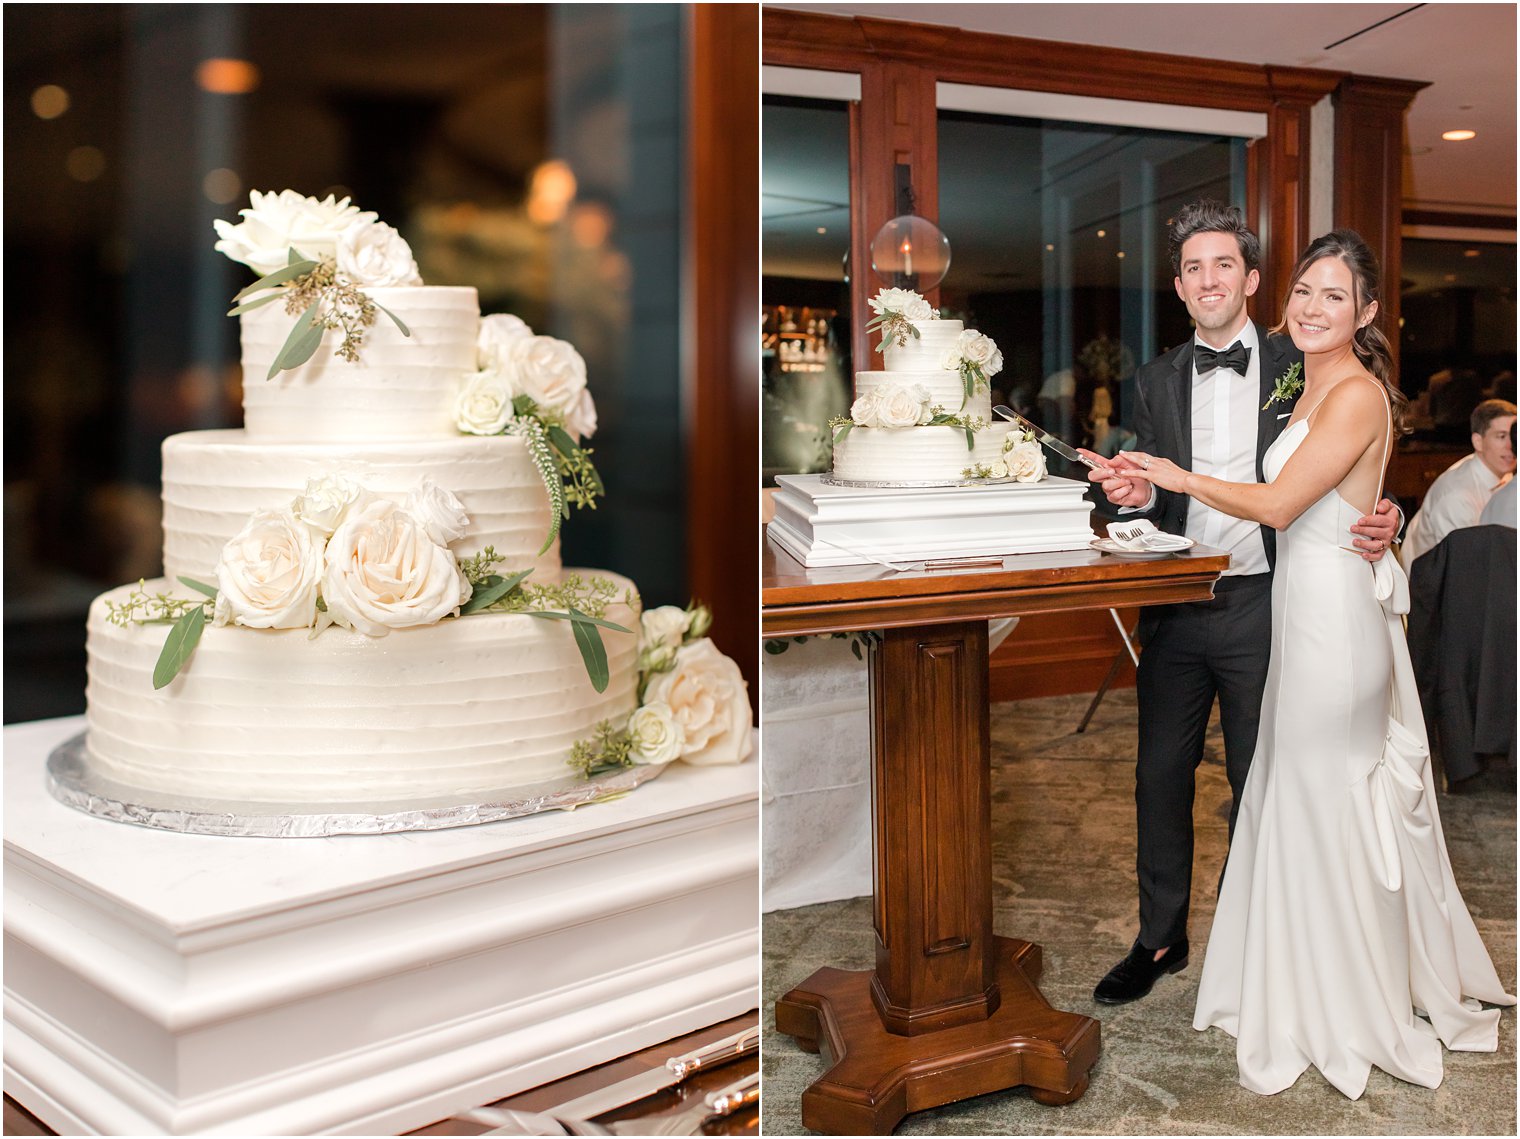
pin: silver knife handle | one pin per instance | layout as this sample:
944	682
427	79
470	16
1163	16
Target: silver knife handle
740	1093
718	1052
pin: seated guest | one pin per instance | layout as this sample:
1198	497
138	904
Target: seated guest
1500	510
1458	496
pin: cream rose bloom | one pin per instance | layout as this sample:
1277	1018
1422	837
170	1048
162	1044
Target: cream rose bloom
980	350
904	405
999	469
383	572
550	371
917	308
268	575
865	411
374	256
498	336
440	513
707	696
484	404
663	627
657	735
890	300
1026	461
580	420
277	223
326	501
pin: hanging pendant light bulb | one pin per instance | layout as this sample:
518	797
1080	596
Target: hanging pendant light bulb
910	252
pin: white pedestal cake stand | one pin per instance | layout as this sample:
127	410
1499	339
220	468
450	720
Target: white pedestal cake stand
160	983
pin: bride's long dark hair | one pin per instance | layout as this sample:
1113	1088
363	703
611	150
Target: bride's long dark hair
1368	342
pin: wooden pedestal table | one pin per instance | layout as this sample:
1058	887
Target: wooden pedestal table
950	1011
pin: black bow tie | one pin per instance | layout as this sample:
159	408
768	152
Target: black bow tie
1236	358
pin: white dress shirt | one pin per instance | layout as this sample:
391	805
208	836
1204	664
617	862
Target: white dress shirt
1500	510
1455	499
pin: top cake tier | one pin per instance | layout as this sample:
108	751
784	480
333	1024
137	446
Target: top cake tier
928	351
400	387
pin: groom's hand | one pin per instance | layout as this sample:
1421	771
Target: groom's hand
1118	486
1376	531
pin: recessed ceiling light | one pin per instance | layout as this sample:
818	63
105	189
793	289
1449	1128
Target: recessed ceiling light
1050	249
1469	253
1103	233
823	229
1120	255
1458	136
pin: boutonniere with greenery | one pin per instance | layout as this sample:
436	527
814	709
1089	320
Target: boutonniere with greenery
1289	384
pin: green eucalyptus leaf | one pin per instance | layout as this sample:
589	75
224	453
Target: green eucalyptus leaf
844	429
589	642
562	441
258	302
199	586
970	439
300	345
577	615
492	590
298	267
181	642
405	331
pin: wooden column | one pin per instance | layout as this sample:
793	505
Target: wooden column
1369	176
722	382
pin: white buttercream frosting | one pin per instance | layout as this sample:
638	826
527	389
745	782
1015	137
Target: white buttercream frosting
946	390
915	454
925	352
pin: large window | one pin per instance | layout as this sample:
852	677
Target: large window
1058	235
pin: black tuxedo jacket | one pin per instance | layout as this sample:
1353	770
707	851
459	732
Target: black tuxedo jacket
1164	421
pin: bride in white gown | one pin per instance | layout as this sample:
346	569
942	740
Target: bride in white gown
1340	939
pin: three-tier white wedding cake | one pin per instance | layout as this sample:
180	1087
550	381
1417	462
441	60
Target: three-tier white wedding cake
362	593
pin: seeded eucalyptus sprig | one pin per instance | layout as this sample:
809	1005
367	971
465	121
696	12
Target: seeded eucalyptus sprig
187	615
969	424
607	750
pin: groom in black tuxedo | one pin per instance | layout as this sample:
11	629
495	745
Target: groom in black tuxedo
1206	405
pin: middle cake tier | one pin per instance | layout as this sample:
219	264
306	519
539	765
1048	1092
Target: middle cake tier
946	390
215	480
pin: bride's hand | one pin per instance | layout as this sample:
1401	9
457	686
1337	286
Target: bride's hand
1154	469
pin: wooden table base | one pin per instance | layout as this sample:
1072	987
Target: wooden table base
877	1077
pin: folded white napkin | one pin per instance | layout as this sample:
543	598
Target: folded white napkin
1141	535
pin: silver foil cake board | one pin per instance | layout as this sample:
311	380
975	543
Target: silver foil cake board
175	984
821	524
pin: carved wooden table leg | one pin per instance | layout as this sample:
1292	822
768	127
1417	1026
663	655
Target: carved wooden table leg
950	1011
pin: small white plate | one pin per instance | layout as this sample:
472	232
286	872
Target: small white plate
1109	546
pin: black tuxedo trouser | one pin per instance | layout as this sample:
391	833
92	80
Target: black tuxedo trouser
1193	653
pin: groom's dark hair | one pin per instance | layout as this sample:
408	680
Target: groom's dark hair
1209	216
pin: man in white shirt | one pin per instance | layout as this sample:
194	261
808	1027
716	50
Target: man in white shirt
1458	496
1501	508
1207	405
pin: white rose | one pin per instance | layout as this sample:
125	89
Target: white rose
664	627
889	300
383	572
268	575
484	405
1000	469
866	410
905	406
952	360
916	308
498	335
707	696
373	255
277	223
1026	461
326	501
550	371
439	512
981	351
657	736
580	420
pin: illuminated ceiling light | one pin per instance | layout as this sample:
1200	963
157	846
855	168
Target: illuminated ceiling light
550	191
49	101
1050	249
227	76
823	229
1458	136
221	185
85	163
1469	253
1103	233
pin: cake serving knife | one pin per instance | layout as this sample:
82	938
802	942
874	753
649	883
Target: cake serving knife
1045	438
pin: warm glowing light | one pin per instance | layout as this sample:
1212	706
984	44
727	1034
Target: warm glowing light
1458	136
227	76
1120	255
590	225
822	230
49	101
1450	277
85	163
1103	233
550	191
1469	253
221	185
1050	249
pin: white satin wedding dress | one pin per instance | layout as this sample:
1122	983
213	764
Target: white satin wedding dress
1340	938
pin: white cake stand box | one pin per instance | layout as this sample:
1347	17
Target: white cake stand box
821	524
160	983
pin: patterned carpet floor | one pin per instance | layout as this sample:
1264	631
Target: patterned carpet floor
1063	877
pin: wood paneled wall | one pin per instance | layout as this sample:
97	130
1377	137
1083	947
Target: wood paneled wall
722	382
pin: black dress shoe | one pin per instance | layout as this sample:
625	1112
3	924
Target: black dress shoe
1133	977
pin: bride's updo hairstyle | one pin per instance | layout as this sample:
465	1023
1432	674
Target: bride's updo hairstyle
1368	342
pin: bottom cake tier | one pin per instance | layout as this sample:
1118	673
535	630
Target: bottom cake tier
918	456
468	706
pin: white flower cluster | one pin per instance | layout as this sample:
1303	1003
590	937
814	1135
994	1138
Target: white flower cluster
368	252
902	302
341	555
695	705
977	350
893	405
512	361
1023	459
